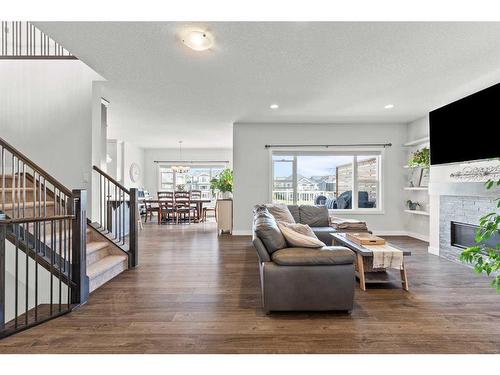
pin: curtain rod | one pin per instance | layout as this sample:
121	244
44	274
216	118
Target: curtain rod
339	145
191	161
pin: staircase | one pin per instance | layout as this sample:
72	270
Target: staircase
51	256
104	260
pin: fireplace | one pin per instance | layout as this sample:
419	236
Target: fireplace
463	235
458	219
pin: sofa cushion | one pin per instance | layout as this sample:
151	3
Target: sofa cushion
323	234
314	216
299	235
267	230
328	255
280	212
294	210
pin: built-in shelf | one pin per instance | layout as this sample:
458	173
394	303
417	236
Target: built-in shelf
417	142
416	188
418	166
416	212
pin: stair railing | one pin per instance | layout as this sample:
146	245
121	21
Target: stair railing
42	244
118	214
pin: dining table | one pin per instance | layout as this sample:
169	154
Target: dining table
198	202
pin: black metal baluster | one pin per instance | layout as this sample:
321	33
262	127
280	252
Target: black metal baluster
60	262
100	201
123	218
115	225
70	239
52	241
44	214
16	272
26	242
37	248
107	211
3	178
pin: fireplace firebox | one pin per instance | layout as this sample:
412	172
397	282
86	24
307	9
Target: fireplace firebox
463	236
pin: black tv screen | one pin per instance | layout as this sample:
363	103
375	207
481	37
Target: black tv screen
466	130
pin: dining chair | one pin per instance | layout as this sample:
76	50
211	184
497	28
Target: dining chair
149	207
183	205
210	207
166	206
195	195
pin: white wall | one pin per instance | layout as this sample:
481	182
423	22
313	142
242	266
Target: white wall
43	283
46	113
252	166
132	154
195	154
418	225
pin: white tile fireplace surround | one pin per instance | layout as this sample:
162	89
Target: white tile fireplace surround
462	209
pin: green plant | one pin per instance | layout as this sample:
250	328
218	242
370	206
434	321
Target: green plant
483	257
420	158
223	182
412	205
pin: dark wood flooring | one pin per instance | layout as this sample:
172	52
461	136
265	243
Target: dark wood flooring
196	293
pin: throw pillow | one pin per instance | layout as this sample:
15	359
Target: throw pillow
299	235
280	212
267	230
314	216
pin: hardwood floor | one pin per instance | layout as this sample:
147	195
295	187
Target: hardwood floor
196	293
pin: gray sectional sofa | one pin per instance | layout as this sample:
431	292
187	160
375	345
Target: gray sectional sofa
301	279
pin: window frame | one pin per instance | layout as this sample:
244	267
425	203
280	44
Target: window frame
210	166
332	151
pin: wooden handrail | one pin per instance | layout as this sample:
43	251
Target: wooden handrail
102	173
46	176
24	220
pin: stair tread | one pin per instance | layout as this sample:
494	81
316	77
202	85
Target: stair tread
104	264
95	246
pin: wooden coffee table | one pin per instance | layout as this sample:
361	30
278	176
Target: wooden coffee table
377	277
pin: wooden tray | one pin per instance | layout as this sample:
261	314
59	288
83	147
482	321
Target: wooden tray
365	239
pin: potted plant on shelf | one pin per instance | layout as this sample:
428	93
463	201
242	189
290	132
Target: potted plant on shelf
412	206
223	183
419	158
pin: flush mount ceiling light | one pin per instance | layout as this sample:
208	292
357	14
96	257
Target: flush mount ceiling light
389	106
197	39
274	106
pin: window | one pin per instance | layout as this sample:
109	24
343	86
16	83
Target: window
197	178
327	178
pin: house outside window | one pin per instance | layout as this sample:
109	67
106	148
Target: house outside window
340	180
197	178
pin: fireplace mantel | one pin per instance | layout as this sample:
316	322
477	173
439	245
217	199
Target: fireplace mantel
463	189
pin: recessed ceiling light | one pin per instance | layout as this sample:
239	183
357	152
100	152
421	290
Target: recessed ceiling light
197	39
274	106
389	106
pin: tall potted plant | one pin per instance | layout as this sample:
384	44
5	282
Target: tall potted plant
223	183
486	259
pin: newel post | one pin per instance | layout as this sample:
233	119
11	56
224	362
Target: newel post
80	292
3	232
133	229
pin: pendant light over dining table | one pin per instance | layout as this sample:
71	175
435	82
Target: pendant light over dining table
180	168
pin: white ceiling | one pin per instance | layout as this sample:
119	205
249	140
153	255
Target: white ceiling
162	92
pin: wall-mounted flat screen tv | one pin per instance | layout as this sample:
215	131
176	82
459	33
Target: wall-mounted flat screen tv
466	130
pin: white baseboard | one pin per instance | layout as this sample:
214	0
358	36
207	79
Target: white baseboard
433	250
242	233
390	233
